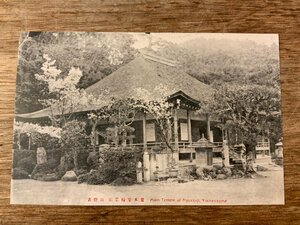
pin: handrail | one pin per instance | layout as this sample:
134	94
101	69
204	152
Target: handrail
181	144
263	144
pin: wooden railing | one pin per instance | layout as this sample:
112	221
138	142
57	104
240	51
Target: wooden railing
180	144
263	144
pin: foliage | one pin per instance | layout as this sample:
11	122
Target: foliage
18	155
159	108
218	61
83	178
119	135
120	113
29	128
96	177
116	163
95	54
18	173
92	160
27	164
119	162
52	163
46	136
246	112
74	139
40	170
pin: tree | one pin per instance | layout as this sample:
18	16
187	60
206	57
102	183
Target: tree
35	132
95	54
65	98
120	113
246	112
74	140
160	109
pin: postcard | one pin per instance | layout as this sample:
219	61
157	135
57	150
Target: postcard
147	119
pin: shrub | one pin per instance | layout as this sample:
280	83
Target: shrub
27	164
82	159
96	177
227	171
83	178
22	154
123	181
217	167
200	173
19	173
45	140
119	163
40	170
207	170
47	177
92	160
81	171
52	163
54	154
66	164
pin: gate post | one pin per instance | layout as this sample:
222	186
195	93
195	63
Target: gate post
146	166
152	166
139	173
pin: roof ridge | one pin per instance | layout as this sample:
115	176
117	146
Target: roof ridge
159	59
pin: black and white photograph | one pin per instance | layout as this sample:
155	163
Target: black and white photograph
147	119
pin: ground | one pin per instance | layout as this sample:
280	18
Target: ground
262	190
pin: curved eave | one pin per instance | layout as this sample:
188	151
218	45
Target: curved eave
34	115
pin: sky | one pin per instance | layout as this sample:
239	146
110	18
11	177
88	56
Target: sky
142	39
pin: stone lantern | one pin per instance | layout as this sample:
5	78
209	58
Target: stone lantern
279	150
279	153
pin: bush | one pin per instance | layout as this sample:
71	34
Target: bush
82	159
40	170
207	169
27	164
81	171
54	154
123	181
65	165
93	160
96	177
217	167
119	163
19	173
83	178
52	163
22	154
200	173
47	177
227	171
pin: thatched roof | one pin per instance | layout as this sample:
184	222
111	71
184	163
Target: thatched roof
146	72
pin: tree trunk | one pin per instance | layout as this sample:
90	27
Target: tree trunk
75	158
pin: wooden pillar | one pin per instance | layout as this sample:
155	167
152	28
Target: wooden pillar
225	154
176	129
208	126
144	132
189	123
29	141
146	161
139	173
152	165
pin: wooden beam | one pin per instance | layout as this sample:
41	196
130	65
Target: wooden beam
208	126
144	131
176	128
189	123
